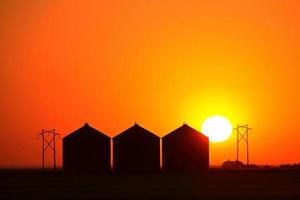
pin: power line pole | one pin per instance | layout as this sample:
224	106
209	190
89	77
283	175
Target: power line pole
48	142
242	135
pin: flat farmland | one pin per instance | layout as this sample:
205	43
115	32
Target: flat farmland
216	184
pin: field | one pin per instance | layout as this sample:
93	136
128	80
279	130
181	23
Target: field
217	184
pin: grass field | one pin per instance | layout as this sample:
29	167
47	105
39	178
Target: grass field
217	184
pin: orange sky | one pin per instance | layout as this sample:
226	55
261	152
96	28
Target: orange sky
156	62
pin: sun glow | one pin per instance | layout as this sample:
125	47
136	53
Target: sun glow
217	128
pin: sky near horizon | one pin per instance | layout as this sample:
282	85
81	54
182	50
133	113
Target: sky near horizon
155	62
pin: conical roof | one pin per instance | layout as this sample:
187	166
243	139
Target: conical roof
183	130
135	130
84	131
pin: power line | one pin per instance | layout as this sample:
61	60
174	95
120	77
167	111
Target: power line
48	142
242	136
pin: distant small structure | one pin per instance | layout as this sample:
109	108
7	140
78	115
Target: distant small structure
233	164
237	165
86	150
290	166
185	150
136	150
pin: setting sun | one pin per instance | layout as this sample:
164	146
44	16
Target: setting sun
217	128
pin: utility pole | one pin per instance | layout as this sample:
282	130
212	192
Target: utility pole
242	136
48	142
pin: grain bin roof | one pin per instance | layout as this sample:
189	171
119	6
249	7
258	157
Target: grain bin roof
135	130
86	130
184	129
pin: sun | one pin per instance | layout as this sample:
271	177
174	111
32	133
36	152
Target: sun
217	128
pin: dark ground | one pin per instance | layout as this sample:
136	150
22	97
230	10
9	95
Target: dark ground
217	184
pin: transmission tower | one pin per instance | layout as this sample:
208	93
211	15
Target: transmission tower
48	142
242	136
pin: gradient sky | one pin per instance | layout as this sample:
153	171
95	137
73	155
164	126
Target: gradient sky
156	62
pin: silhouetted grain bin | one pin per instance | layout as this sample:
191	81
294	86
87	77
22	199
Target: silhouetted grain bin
136	150
86	150
185	150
